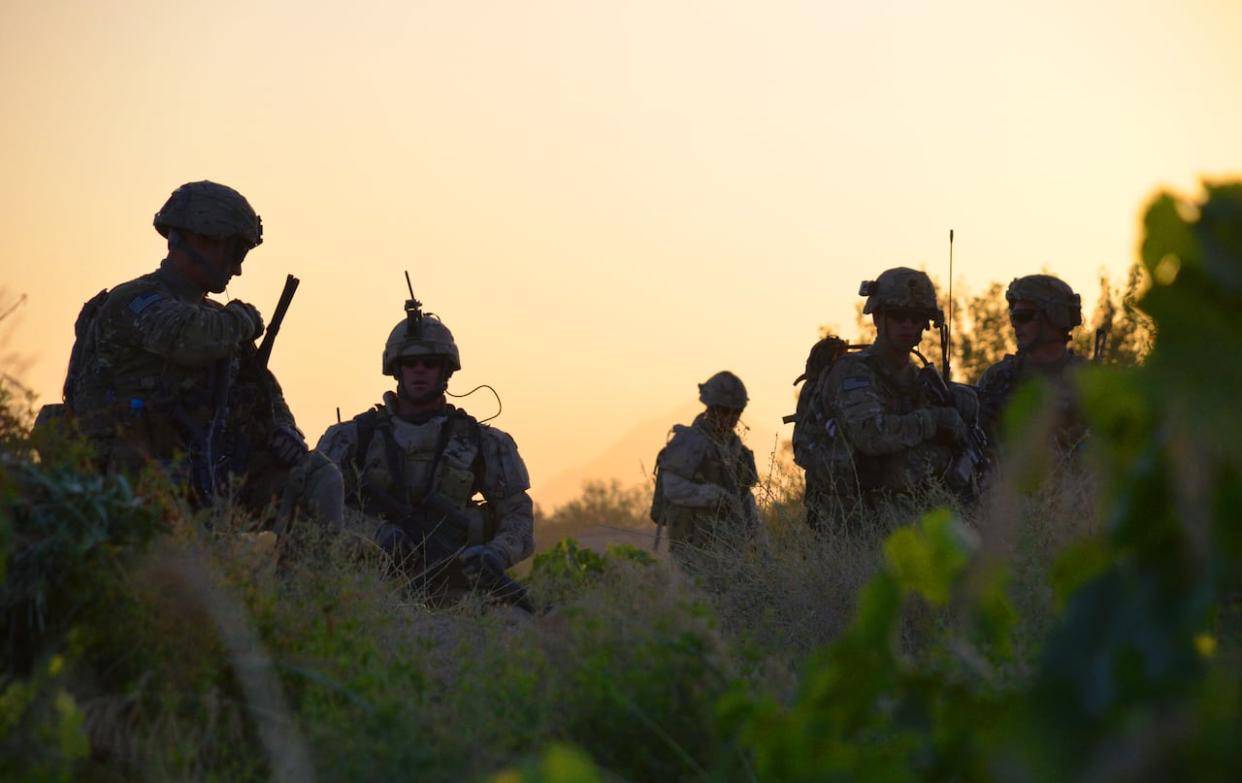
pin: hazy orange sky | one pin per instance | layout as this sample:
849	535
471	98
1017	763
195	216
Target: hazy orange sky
606	202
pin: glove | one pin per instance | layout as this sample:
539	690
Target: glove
949	421
287	444
475	560
248	315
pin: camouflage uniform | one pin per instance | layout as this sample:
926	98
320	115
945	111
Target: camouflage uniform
870	430
448	453
412	475
1062	307
156	365
704	479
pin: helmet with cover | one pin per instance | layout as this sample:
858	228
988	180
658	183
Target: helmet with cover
1053	296
724	390
422	336
902	288
211	210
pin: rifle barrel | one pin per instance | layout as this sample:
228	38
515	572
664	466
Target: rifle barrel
282	306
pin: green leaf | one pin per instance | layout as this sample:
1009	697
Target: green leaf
927	559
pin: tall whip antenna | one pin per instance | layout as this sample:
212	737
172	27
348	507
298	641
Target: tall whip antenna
946	333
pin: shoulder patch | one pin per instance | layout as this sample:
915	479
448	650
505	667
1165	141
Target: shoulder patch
141	302
855	383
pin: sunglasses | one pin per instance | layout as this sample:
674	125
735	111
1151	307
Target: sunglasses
430	362
903	315
1022	316
236	248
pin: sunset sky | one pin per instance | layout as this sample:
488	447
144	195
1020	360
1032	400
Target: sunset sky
607	202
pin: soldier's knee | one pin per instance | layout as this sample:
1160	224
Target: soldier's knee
322	487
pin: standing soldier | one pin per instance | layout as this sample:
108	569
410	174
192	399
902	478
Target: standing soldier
414	465
1043	311
871	429
159	370
705	474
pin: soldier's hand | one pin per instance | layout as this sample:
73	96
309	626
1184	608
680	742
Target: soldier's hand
288	444
479	558
248	314
950	422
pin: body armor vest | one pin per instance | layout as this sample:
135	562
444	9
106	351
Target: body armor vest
409	472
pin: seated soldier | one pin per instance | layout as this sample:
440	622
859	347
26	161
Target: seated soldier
415	464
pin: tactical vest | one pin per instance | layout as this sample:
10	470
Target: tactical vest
401	483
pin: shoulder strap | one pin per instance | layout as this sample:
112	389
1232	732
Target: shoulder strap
365	424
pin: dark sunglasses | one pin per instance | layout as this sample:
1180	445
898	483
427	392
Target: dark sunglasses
430	362
1022	316
237	247
903	315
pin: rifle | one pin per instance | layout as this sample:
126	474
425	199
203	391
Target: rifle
215	457
946	333
286	298
938	391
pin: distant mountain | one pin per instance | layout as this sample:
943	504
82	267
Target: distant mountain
631	458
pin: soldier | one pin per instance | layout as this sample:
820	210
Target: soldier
159	370
871	430
1043	311
705	474
414	465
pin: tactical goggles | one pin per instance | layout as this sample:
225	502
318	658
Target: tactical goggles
1023	316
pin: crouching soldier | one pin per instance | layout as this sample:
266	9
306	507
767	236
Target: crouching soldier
161	373
415	465
705	474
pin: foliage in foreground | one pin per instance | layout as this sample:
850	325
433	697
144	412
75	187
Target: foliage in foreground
1064	630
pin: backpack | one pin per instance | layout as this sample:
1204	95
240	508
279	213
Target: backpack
808	422
61	411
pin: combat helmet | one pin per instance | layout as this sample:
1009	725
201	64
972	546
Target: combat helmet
1058	302
902	288
212	210
424	336
724	390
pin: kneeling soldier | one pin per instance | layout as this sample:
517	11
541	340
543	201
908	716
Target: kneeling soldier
161	372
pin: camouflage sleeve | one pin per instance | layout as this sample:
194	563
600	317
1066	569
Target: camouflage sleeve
184	332
515	527
338	441
281	415
861	414
683	454
748	474
690	494
337	444
505	482
991	397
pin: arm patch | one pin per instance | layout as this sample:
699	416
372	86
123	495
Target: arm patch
141	302
855	383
